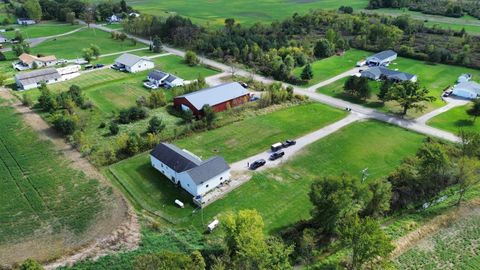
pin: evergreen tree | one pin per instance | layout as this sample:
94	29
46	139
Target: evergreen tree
307	73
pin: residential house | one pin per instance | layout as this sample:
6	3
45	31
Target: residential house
183	168
381	58
156	77
469	89
464	78
114	18
33	79
25	21
133	63
173	81
28	61
383	73
218	97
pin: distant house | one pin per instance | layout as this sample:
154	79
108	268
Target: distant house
173	81
383	73
470	90
464	78
133	63
25	21
156	77
114	18
33	79
381	58
217	97
181	167
27	61
3	39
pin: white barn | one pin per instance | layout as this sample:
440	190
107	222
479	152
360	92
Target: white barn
469	89
197	177
133	63
382	58
33	79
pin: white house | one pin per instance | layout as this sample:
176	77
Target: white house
382	58
25	21
470	90
181	167
173	81
133	63
33	79
156	77
114	18
27	61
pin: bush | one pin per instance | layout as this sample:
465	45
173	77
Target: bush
132	114
155	125
114	129
65	124
27	100
191	58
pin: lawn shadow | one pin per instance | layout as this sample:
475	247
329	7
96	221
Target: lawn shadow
464	123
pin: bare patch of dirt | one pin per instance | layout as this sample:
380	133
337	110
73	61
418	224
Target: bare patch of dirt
117	228
410	240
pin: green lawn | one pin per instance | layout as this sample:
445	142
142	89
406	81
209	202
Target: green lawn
280	195
71	46
6	66
332	66
41	194
214	13
455	120
254	135
471	24
435	77
175	65
43	29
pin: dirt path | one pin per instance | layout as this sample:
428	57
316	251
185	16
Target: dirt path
408	241
119	231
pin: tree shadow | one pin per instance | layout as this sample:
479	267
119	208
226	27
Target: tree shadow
464	123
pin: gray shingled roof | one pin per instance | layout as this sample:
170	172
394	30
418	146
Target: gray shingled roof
157	74
174	157
470	85
129	60
390	74
215	95
208	169
383	55
170	78
37	76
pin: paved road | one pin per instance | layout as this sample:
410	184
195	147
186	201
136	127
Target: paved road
367	112
451	103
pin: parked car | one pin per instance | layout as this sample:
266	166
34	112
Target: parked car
288	143
244	85
115	67
150	85
276	155
257	164
275	147
87	67
99	65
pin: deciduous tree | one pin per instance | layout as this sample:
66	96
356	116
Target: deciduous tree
410	95
474	111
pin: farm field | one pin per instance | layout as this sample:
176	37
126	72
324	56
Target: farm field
70	46
45	203
43	29
254	135
435	77
214	13
455	120
175	65
332	66
375	145
442	249
471	24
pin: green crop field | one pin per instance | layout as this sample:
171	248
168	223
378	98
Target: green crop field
41	196
334	65
455	120
280	195
70	46
254	135
174	65
435	77
213	13
43	29
452	247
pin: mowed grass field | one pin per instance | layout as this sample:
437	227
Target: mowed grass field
455	120
435	77
281	194
214	13
70	46
254	135
41	195
332	66
453	247
43	29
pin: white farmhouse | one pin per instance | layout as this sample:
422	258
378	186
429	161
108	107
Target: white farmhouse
470	90
157	77
173	81
382	58
197	177
133	63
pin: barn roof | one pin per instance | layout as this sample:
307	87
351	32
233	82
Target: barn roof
37	76
129	60
215	95
174	157
208	169
471	86
384	55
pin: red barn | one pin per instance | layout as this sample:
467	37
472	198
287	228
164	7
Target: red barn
217	97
